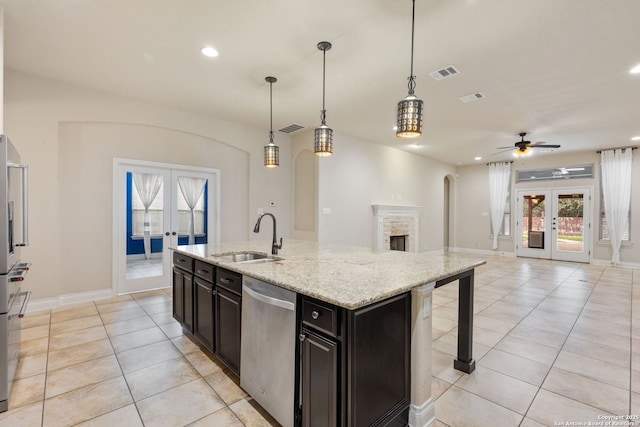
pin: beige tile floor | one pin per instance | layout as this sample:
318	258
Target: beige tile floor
554	342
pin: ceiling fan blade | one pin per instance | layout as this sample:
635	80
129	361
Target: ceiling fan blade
502	148
545	146
503	151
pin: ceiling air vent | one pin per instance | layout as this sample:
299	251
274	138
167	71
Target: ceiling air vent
472	97
447	71
291	128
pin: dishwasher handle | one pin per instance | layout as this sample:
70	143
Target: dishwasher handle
269	300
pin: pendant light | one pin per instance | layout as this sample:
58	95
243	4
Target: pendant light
323	135
271	150
409	119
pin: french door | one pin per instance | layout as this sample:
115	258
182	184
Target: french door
156	207
554	224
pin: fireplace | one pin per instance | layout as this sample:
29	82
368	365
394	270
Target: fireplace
396	221
397	243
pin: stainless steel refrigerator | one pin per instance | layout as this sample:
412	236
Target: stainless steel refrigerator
13	235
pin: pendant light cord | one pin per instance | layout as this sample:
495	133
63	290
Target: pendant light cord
271	112
412	78
324	111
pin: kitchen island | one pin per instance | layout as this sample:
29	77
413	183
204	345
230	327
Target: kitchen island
356	280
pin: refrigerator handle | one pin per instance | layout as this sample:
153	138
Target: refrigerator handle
25	203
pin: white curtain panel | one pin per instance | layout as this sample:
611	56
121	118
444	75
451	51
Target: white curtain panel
148	186
616	192
499	176
192	189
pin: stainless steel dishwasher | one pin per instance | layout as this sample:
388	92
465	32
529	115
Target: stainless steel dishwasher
267	355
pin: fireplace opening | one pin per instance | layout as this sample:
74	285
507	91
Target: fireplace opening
397	243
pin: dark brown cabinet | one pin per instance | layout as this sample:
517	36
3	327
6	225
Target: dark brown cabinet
204	318
354	365
203	324
319	380
183	290
228	315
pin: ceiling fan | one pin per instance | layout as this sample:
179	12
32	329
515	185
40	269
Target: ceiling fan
523	147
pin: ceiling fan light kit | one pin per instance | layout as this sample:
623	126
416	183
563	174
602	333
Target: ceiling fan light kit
523	148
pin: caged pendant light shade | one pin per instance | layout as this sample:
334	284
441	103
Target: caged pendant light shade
323	135
271	150
409	118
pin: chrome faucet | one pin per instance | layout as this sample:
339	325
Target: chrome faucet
274	246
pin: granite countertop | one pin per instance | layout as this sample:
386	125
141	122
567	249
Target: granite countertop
347	276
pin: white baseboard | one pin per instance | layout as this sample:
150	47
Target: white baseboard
484	252
423	415
62	300
606	262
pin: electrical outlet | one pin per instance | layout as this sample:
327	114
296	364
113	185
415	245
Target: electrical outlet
326	211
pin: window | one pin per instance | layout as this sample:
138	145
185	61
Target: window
569	172
506	221
604	231
184	212
156	213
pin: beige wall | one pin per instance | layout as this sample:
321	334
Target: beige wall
69	137
361	174
472	200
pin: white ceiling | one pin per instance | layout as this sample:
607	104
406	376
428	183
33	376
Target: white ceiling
556	69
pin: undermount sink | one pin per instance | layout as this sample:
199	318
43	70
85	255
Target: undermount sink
247	257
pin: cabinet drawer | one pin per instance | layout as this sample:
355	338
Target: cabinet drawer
229	280
183	261
320	316
205	271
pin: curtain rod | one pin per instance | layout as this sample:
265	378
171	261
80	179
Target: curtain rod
619	148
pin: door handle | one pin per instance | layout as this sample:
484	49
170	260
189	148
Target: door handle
167	233
173	233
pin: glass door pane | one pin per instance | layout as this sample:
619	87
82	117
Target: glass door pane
533	221
569	223
533	225
145	224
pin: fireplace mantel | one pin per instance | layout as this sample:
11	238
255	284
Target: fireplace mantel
388	217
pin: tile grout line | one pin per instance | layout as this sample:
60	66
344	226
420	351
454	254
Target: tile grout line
561	347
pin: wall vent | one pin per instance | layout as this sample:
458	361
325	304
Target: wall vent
445	72
291	128
472	97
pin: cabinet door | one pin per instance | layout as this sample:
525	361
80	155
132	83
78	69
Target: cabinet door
319	372
379	363
203	323
187	297
228	317
178	301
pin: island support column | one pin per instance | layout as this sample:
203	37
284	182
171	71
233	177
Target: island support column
422	410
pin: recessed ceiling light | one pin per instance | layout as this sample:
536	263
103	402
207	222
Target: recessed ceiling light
477	158
635	138
635	70
209	51
415	146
